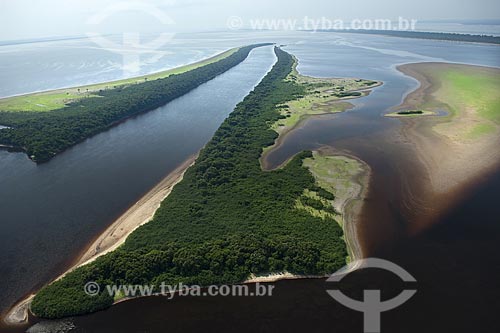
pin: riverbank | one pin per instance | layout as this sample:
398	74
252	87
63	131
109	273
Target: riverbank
58	98
339	172
225	204
323	96
43	135
348	178
462	145
116	234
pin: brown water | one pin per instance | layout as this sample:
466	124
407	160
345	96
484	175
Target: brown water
453	262
393	199
435	258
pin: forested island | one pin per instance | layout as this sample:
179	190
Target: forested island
226	220
427	35
44	134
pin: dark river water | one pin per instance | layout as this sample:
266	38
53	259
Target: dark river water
50	212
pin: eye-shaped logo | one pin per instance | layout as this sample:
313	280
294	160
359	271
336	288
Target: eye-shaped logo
372	305
131	47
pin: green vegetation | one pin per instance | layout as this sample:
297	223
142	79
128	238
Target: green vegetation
44	134
474	100
428	35
339	179
470	94
323	95
474	90
227	219
56	99
410	112
42	101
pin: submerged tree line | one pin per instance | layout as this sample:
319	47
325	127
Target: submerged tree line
227	219
44	134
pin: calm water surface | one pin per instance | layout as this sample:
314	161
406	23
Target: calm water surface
54	209
49	212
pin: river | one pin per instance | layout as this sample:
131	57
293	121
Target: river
50	212
54	209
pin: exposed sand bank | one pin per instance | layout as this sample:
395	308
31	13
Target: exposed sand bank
323	96
450	158
453	160
273	277
116	234
348	178
348	202
140	213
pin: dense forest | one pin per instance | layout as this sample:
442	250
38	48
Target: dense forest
44	134
428	35
227	219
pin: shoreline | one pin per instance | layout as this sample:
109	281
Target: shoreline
139	214
448	160
343	102
110	239
351	208
452	162
114	235
130	80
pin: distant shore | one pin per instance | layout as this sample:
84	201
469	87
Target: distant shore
115	235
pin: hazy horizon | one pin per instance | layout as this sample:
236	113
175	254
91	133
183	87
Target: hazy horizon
29	19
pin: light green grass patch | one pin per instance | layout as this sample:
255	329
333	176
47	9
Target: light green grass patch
313	211
476	90
339	175
480	130
324	95
41	102
473	98
57	99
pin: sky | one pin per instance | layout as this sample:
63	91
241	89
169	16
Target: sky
25	19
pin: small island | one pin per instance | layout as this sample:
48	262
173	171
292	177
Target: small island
410	113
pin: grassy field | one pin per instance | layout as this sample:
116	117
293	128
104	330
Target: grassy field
471	95
339	175
56	99
324	95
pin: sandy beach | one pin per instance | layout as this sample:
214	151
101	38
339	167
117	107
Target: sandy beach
140	213
116	234
451	159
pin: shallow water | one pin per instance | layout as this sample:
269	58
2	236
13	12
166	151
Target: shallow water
392	204
49	212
